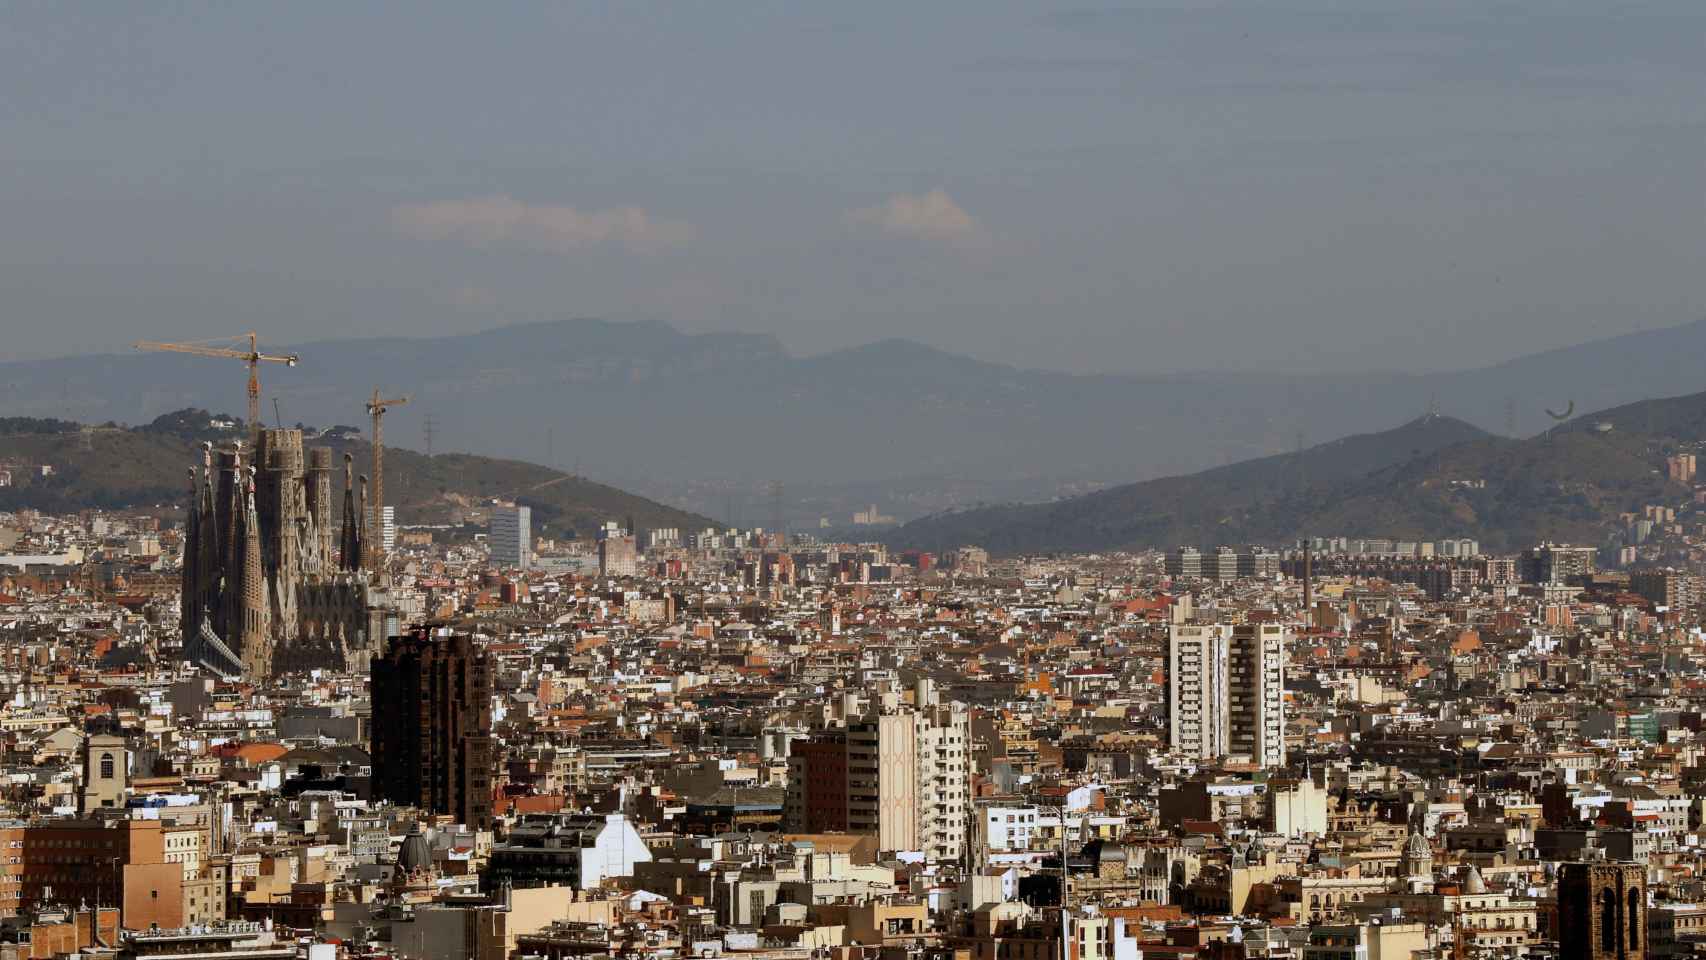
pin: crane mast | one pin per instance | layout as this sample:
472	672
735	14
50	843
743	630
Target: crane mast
375	545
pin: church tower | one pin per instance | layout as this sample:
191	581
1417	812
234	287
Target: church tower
1418	860
1602	911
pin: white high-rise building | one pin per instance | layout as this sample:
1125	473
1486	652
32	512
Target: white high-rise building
388	528
510	536
1196	689
1226	691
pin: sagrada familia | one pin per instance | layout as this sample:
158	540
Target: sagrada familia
269	586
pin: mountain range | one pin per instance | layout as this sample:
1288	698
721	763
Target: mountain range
1431	478
710	420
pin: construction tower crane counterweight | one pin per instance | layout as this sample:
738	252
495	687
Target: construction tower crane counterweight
252	356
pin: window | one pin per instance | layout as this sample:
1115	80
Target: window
1607	920
106	766
1635	919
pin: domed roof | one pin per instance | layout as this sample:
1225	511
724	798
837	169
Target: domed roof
1417	845
415	854
1472	881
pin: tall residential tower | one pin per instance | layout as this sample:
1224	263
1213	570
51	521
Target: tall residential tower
1226	691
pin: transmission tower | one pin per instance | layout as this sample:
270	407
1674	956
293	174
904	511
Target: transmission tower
427	428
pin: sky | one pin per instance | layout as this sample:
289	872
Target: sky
1292	185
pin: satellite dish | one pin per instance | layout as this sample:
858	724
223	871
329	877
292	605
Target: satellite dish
1571	409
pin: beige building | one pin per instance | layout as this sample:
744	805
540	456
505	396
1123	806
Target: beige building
1367	941
908	780
106	772
484	932
183	846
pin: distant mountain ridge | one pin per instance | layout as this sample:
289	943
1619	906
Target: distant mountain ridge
1183	509
1431	478
648	407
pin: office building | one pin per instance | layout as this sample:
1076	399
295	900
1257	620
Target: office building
388	528
435	751
1557	563
1259	563
510	536
617	556
1185	562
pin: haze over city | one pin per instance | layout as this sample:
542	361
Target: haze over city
1292	185
870	481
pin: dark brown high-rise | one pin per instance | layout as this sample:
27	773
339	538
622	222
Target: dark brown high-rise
432	747
1602	911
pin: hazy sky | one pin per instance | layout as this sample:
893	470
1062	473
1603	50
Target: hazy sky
1307	184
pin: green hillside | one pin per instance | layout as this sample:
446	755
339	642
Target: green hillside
1431	478
147	468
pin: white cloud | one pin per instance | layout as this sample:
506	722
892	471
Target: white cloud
499	221
927	216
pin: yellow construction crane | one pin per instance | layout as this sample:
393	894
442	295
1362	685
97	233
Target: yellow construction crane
376	408
252	356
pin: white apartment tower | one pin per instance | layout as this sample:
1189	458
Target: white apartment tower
1226	691
1196	689
510	536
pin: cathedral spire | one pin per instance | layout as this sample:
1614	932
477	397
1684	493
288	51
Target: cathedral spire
189	599
349	545
255	641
